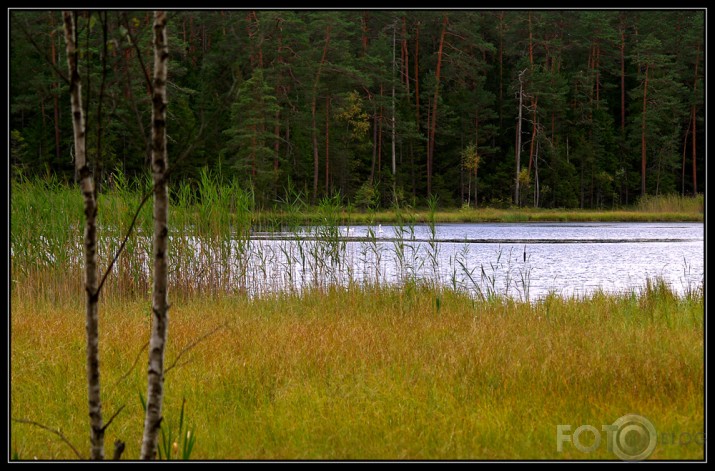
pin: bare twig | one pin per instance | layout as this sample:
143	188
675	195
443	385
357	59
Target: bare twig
139	54
136	360
112	418
124	242
194	344
56	432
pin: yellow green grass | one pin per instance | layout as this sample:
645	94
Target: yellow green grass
370	373
475	215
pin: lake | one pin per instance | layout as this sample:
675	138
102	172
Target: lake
519	260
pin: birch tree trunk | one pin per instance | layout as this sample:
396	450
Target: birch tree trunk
160	318
90	242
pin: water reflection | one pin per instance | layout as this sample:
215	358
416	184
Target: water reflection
523	261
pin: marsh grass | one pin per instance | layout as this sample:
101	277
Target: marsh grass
672	204
373	372
334	367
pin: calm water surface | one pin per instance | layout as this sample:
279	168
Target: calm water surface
524	260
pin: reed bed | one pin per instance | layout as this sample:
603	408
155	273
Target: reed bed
217	247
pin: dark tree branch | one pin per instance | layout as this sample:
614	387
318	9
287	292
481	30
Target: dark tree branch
112	418
139	54
56	432
136	360
124	242
194	344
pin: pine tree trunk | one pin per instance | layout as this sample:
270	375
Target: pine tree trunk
476	147
160	318
406	55
55	91
379	139
596	66
252	155
643	140
695	90
536	177
417	106
533	135
276	150
316	157
501	67
364	28
280	93
623	82
327	144
429	127
685	153
534	100
44	124
394	65
86	181
417	76
433	127
517	151
695	180
476	183
374	145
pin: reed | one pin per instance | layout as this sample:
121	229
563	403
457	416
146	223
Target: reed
672	203
219	243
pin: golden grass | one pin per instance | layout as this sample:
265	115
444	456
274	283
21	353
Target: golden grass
494	215
370	373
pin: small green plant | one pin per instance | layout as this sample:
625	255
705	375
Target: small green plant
367	196
171	446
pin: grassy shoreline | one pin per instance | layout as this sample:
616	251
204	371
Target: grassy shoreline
220	204
487	215
372	373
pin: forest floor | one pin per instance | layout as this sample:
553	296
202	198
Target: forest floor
370	373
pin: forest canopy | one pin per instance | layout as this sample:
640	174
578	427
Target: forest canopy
548	108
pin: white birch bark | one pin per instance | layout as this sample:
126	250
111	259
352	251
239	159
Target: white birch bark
86	182
160	304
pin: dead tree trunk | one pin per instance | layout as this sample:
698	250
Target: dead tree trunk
160	307
86	182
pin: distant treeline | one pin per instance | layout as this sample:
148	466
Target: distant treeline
559	108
